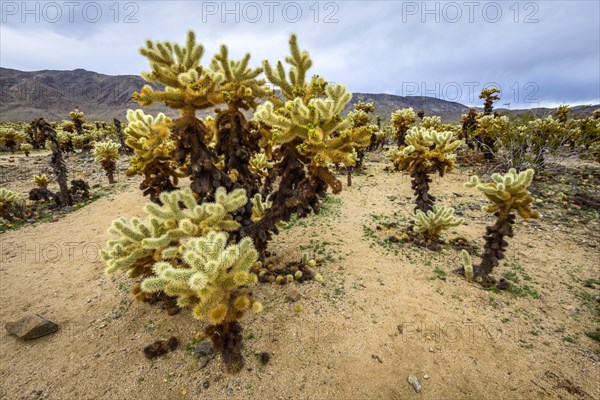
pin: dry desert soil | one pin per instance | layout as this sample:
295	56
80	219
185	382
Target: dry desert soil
385	310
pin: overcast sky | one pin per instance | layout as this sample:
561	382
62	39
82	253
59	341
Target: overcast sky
540	53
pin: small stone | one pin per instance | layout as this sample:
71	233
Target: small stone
400	329
229	391
206	384
376	357
431	349
203	349
293	295
415	383
204	361
425	376
31	327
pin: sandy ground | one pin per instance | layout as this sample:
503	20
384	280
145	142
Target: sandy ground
461	341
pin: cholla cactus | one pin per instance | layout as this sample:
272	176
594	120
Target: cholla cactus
434	122
260	164
361	120
316	126
508	193
41	180
152	144
305	132
469	124
402	120
427	151
209	278
11	137
259	207
488	128
7	199
26	148
106	153
434	221
182	251
489	95
141	243
59	166
189	87
562	113
214	280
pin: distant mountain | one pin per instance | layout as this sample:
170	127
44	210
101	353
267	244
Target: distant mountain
53	94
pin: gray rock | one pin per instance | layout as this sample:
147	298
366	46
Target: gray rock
205	360
203	349
31	327
415	383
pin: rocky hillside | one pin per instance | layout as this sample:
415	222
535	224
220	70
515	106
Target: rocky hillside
52	94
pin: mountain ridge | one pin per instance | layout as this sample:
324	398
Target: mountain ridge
25	95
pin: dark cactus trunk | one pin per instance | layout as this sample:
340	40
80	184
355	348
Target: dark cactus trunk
58	163
495	245
420	185
226	340
109	167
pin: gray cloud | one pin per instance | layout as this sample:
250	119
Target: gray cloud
538	52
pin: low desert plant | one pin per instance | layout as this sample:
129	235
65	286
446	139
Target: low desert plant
41	180
7	200
434	221
26	148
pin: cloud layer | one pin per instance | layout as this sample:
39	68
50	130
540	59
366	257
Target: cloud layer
538	52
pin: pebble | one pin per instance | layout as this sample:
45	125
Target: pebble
415	383
205	384
425	376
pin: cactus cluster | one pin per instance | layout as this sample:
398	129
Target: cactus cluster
11	137
508	194
201	243
142	242
182	249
